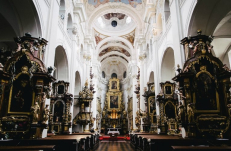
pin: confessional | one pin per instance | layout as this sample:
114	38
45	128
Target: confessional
205	86
25	85
60	115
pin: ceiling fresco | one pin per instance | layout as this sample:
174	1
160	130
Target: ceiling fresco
130	37
114	42
99	37
110	15
133	3
114	56
114	48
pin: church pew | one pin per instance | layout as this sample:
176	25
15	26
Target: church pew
197	148
164	142
22	148
83	141
134	139
62	142
94	139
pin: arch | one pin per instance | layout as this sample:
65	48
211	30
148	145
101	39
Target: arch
166	10
77	83
20	20
69	24
167	66
151	77
113	75
206	16
61	64
62	9
114	39
128	53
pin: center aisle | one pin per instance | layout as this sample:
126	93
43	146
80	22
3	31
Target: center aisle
114	146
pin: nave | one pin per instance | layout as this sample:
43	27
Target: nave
114	146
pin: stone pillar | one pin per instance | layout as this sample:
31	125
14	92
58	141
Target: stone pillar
177	32
51	33
134	82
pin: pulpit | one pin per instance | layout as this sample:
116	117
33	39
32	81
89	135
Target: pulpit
84	117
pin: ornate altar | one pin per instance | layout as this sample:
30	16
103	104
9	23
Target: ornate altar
114	114
25	85
204	84
150	121
60	104
84	117
168	102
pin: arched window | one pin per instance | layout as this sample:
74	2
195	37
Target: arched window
62	9
113	75
69	25
125	74
103	74
166	10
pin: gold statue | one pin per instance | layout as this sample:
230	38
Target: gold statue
35	111
46	114
82	107
190	113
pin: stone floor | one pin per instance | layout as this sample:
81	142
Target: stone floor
114	146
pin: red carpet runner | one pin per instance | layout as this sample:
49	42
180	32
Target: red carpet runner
106	137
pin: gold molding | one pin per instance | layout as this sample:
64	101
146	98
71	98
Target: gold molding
112	86
119	94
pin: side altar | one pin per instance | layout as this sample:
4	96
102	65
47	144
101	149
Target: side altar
114	114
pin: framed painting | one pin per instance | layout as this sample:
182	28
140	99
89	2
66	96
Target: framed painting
114	101
21	95
114	84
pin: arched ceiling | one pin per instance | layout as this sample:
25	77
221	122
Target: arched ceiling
213	17
115	25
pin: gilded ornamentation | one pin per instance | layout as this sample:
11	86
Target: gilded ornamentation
46	114
35	110
190	113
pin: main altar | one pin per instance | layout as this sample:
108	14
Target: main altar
114	114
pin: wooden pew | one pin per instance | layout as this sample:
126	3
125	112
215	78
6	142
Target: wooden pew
22	148
198	148
83	141
94	139
61	142
164	142
134	139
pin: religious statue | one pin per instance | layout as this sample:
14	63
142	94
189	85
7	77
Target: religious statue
97	121
46	114
190	113
35	111
103	114
180	112
82	107
124	114
69	117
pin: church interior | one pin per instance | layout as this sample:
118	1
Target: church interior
83	75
